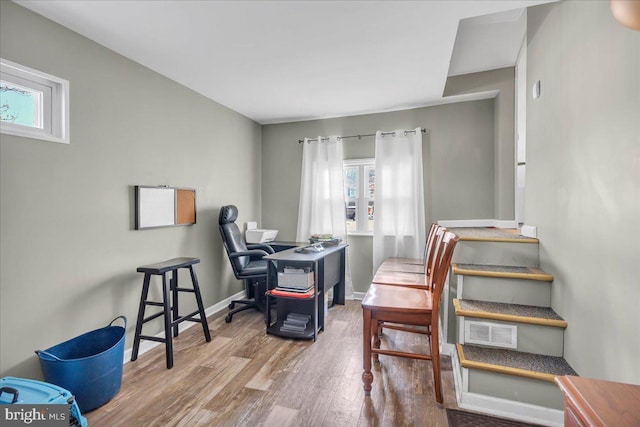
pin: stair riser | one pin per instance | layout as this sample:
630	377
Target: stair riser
537	339
497	253
514	291
520	389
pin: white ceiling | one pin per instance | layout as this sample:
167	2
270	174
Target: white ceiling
282	61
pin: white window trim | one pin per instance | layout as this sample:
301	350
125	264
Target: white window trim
361	200
58	130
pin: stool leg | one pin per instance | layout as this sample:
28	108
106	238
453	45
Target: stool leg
174	305
139	321
203	317
166	295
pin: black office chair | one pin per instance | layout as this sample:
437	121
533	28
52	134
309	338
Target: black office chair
246	261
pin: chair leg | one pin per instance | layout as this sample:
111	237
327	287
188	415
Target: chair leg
367	376
375	335
231	313
435	363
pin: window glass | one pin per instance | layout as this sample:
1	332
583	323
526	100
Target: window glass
20	105
351	176
33	104
359	191
370	173
350	182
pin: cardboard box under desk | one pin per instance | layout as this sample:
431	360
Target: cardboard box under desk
295	280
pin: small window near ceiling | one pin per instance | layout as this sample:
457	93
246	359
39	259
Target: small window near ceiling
33	104
359	191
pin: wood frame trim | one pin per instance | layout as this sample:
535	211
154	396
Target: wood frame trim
541	276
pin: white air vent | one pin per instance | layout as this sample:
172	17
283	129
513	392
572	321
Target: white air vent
492	334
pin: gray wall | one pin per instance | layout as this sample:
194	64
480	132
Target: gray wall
458	163
503	81
583	179
68	250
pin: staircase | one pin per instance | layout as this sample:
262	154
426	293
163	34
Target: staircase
506	341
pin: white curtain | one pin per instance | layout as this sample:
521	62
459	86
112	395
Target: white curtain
399	228
322	209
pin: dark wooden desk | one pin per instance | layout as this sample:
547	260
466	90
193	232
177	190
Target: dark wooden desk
328	267
590	402
280	246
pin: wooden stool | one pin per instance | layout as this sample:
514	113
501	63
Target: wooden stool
169	304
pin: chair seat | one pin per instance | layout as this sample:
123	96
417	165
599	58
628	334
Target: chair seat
255	267
394	298
400	260
397	278
399	267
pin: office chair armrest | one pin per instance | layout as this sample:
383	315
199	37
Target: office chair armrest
266	248
252	253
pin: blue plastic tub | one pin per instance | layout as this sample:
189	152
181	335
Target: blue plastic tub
22	391
89	366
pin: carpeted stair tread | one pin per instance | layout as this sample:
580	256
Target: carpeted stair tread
508	312
504	271
512	362
491	234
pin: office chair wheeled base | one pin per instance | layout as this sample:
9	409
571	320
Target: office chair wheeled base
255	302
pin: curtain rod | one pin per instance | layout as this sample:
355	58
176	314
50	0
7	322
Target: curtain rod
300	141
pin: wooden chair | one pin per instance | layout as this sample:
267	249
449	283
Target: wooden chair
422	281
410	265
407	306
403	278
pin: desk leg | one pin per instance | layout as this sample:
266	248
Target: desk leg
339	289
367	376
267	320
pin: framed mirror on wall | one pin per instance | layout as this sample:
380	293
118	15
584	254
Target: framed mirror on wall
163	206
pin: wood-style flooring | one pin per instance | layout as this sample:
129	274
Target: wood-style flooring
245	377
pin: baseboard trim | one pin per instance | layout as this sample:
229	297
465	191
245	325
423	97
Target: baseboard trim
447	349
498	223
510	409
358	295
210	311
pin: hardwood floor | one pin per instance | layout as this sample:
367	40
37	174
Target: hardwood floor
244	377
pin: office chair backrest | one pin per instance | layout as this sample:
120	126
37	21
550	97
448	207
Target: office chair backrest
232	236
